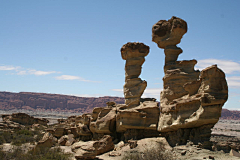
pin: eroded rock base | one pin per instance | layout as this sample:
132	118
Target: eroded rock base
136	134
199	136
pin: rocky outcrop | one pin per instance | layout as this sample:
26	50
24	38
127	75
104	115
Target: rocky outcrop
24	119
134	87
137	118
191	101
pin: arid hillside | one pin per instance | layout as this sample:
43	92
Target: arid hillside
53	102
230	114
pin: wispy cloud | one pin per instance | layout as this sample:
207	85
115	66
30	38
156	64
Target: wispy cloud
41	73
22	71
70	77
148	93
233	81
8	68
228	66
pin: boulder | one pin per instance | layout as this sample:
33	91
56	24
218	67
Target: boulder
105	122
90	149
234	153
59	131
66	140
47	140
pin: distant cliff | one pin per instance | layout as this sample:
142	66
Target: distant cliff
230	114
58	102
53	102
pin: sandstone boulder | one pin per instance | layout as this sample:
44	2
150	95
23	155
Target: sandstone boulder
89	150
66	140
47	141
105	122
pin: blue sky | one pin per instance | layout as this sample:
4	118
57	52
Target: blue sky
73	47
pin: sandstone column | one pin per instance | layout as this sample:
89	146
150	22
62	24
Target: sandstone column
134	87
191	101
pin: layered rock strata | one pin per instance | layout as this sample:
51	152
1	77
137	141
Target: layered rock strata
190	99
134	87
143	117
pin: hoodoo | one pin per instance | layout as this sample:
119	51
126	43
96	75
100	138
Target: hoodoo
191	101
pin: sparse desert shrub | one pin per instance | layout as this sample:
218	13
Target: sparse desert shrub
18	137
156	153
41	154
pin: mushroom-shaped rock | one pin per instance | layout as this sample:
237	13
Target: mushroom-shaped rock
191	101
134	87
168	33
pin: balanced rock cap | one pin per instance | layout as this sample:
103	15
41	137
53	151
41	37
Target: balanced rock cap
134	49
167	33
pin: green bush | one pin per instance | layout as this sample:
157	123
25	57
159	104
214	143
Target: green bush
18	137
40	154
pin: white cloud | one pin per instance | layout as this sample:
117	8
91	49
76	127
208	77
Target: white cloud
148	93
227	66
70	77
41	73
7	68
233	81
21	71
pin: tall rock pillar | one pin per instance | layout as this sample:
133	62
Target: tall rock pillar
138	117
134	87
191	101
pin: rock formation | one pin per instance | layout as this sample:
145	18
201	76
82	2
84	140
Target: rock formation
138	117
191	101
24	119
134	87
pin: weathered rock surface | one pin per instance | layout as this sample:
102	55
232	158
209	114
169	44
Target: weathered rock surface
105	122
47	140
66	140
24	119
90	149
190	99
134	87
144	116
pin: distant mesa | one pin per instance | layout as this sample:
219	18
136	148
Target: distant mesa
53	102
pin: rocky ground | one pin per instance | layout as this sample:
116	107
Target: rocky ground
225	135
